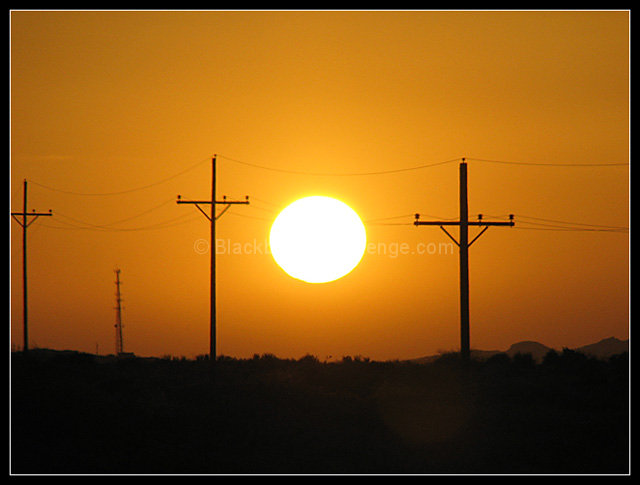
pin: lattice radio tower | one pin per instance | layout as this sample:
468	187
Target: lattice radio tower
118	309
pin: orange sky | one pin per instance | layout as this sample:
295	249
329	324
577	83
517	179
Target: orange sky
104	102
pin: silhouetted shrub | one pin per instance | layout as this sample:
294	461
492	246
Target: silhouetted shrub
551	359
270	415
70	357
524	360
573	355
499	359
620	360
448	358
308	359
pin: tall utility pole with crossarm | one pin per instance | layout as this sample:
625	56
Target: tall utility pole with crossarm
212	219
24	223
463	245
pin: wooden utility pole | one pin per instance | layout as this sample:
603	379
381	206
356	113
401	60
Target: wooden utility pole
25	224
212	219
463	246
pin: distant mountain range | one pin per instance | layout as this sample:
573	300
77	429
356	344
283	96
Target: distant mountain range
603	349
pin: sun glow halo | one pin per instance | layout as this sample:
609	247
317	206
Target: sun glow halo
317	239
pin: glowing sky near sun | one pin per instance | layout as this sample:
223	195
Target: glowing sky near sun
114	113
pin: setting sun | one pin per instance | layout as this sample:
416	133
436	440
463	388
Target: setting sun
317	239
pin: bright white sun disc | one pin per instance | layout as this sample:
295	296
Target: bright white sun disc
317	239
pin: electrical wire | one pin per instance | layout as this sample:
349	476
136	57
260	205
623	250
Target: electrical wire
82	225
506	162
247	216
337	174
264	201
270	211
133	229
120	192
569	229
566	225
572	228
570	223
560	225
381	219
136	215
319	174
389	223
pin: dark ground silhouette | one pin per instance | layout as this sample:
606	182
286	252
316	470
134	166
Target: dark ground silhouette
75	413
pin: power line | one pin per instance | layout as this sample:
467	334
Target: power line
377	221
120	221
571	223
337	174
562	224
381	221
385	221
540	164
574	228
133	229
77	224
120	192
249	217
94	227
270	211
418	167
388	223
570	229
147	211
126	219
370	221
567	225
321	174
265	202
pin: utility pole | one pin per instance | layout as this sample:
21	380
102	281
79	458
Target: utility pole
463	246
212	219
25	224
118	309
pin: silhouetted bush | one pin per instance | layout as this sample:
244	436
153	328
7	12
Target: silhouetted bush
499	359
551	359
524	360
309	359
449	358
72	414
